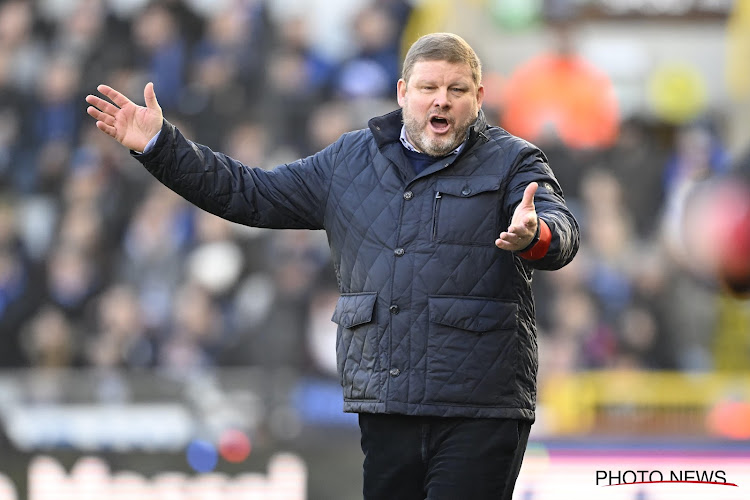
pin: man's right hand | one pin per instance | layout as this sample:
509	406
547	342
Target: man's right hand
130	124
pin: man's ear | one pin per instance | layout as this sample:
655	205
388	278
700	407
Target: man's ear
401	92
480	96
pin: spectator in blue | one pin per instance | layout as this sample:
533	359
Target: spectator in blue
157	35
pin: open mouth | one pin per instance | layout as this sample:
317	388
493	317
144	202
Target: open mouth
439	124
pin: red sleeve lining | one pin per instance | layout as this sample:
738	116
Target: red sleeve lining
542	246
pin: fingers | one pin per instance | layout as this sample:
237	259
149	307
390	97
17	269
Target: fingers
103	105
519	234
528	194
107	129
509	241
103	111
100	116
525	227
524	224
515	237
116	97
149	96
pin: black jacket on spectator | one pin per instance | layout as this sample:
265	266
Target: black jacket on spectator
433	318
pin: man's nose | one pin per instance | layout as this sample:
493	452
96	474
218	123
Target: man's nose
441	99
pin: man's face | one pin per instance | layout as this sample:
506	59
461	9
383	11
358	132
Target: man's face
439	103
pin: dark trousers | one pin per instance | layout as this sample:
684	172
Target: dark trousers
418	458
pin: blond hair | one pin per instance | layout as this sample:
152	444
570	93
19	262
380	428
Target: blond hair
442	47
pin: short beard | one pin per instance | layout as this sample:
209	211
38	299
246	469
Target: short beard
435	147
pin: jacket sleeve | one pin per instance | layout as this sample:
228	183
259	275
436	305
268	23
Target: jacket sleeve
290	196
531	166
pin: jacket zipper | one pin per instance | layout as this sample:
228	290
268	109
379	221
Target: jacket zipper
438	197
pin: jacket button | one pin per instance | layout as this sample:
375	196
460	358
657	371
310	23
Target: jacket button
395	372
408	195
466	192
394	309
399	252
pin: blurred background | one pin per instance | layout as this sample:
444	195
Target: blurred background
149	347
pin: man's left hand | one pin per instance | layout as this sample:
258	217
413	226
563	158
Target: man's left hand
523	225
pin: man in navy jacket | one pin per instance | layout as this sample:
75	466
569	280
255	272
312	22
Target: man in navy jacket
435	221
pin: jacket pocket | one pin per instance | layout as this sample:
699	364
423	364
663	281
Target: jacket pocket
356	351
471	351
466	210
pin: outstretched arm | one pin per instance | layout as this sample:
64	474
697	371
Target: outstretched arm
289	196
130	124
535	201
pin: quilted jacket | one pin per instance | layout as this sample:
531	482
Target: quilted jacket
433	319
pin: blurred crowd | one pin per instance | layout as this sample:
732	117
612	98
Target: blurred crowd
101	266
